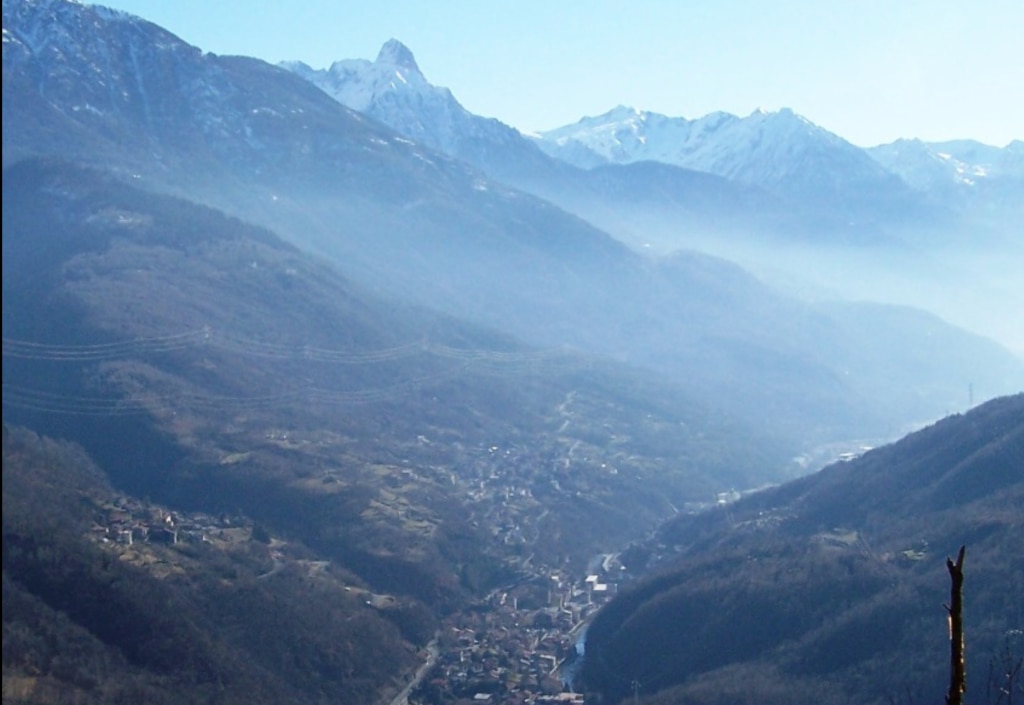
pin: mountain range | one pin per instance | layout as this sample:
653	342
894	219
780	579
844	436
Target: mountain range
779	152
929	225
386	360
408	222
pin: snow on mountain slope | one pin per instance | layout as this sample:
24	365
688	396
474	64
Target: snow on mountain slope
928	165
624	135
984	183
393	90
781	152
1005	161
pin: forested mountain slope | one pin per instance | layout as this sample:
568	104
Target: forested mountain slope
829	589
90	618
204	362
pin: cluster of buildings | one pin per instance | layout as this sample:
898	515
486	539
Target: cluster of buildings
517	647
128	521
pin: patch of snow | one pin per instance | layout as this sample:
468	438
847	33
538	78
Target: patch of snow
87	108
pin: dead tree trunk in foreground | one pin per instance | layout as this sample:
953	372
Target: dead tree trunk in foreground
957	669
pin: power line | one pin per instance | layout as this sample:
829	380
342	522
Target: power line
208	337
466	360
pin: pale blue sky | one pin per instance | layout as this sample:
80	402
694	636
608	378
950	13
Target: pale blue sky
868	70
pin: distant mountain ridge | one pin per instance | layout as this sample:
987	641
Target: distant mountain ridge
966	162
394	91
771	191
781	152
975	177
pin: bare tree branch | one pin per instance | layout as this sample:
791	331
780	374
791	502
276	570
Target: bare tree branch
957	668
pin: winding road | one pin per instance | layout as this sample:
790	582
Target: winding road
433	652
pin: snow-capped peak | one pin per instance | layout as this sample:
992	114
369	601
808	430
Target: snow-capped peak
394	53
623	112
361	84
392	89
779	151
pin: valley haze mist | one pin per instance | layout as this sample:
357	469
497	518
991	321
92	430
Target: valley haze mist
318	387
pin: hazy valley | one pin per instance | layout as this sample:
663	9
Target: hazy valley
319	388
